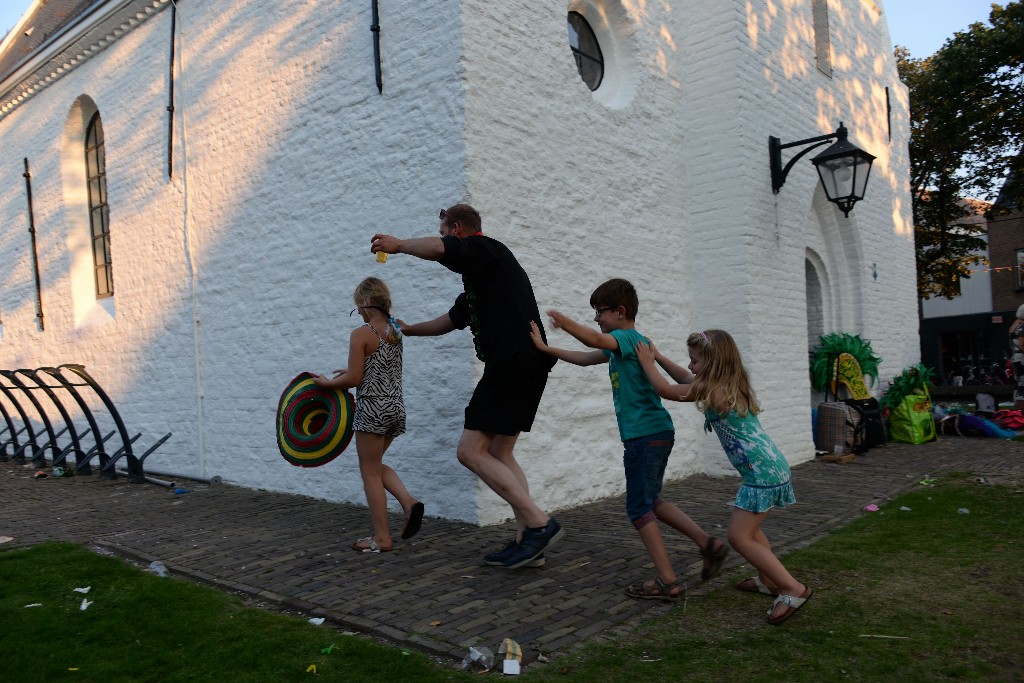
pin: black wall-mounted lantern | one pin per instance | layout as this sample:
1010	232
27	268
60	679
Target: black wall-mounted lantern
843	168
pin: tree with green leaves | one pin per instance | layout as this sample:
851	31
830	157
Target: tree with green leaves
966	123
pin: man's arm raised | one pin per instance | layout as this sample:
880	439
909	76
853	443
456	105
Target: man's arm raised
426	248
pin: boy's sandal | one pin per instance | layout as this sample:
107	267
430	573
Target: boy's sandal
368	545
655	589
755	585
413	521
791	603
715	557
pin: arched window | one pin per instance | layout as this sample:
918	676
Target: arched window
99	215
586	50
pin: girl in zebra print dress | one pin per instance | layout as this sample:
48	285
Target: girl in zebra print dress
375	370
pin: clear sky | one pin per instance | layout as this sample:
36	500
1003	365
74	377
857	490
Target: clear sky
921	26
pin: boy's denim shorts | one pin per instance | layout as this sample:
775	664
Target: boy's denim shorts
644	459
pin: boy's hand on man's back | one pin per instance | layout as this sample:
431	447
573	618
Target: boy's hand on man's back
558	320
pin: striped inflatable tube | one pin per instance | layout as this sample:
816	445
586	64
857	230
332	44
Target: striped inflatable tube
314	425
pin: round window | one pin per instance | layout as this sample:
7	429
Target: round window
585	50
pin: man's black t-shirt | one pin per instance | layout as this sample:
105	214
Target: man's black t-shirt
498	303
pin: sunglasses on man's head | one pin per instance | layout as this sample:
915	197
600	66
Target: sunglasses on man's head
443	215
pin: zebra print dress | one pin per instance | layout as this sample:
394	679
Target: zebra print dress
380	408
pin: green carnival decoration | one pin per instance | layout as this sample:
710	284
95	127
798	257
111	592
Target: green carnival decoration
917	379
843	358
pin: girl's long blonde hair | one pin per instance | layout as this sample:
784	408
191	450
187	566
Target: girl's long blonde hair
724	371
374	293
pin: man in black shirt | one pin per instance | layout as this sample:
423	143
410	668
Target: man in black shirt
498	306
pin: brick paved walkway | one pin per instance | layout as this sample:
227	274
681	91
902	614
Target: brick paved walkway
432	593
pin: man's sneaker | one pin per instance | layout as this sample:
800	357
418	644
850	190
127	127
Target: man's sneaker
534	543
534	563
498	559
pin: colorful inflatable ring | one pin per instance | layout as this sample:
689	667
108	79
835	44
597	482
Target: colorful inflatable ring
314	425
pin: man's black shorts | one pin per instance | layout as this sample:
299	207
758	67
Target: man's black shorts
506	398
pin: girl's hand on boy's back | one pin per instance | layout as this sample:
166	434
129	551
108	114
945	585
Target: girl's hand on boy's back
646	353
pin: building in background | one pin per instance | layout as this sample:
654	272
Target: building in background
965	339
206	178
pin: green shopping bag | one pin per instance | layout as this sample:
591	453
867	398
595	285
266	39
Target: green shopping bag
911	421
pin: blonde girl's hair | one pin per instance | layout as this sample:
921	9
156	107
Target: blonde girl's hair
723	370
374	293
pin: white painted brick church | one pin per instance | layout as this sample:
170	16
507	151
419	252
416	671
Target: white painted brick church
205	178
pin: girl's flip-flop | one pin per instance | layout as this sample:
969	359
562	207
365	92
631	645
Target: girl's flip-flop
413	521
368	545
755	585
791	603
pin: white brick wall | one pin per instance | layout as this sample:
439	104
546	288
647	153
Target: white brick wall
237	274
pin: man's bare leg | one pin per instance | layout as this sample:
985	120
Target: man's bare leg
489	457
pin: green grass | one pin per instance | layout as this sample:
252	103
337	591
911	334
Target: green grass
946	588
141	627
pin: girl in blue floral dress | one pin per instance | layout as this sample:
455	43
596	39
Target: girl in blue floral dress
721	390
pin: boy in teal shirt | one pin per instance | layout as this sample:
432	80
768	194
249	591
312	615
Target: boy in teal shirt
645	428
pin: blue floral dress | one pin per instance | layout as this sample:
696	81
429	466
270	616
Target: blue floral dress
766	476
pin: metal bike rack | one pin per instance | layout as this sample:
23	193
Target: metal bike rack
13	434
76	445
30	444
70	378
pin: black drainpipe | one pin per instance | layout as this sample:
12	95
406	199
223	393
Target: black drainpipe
375	27
170	99
35	250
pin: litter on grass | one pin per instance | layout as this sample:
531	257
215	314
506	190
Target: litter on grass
964	511
85	604
871	508
35	604
82	590
327	650
511	664
904	508
868	635
157	567
480	657
316	621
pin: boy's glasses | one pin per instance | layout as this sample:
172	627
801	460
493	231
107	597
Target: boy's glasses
601	309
